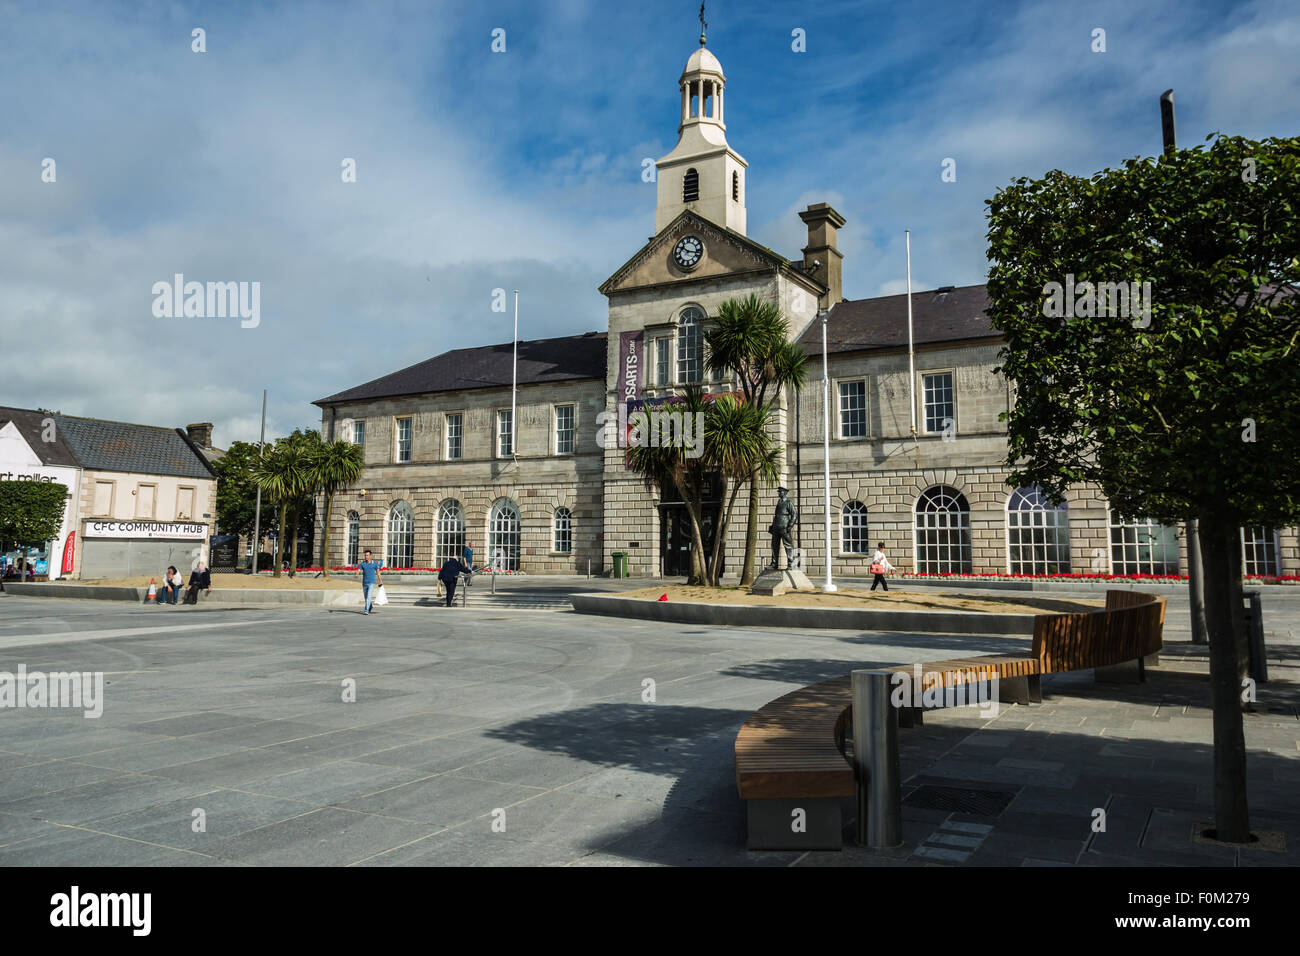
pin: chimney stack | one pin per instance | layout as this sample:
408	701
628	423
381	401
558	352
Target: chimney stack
200	433
823	222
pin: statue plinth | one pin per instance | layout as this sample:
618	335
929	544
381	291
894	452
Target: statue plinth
774	582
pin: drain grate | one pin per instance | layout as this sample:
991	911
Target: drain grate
984	803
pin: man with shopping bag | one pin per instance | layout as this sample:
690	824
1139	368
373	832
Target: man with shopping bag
370	579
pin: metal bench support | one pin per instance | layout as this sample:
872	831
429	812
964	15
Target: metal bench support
875	756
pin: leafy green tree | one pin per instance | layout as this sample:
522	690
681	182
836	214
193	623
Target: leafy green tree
237	492
31	513
303	448
749	340
1187	410
334	466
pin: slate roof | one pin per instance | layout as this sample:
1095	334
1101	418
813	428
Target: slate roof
29	423
541	360
937	316
118	446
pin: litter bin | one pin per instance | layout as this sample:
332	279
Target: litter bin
1258	665
620	564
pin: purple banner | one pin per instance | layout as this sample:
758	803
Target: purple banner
631	353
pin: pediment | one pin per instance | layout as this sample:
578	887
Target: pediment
725	253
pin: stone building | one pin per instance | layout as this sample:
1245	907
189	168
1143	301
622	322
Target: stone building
917	447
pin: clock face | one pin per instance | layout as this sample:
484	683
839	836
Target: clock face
688	252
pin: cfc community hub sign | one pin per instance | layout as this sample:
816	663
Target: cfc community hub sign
147	529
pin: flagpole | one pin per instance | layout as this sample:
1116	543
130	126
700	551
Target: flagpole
514	383
826	452
911	351
257	520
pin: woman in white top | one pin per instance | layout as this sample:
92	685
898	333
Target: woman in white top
878	560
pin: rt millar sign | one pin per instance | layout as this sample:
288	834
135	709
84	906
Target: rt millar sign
146	529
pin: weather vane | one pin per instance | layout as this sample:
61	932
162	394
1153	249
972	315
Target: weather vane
704	24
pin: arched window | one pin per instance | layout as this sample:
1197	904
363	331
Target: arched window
943	532
563	536
1140	546
1038	535
449	533
503	535
690	347
853	529
1259	552
735	186
400	552
353	554
691	186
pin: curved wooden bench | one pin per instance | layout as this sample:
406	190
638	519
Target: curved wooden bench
791	768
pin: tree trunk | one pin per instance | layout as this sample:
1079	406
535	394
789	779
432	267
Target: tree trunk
1225	621
720	533
293	560
748	573
325	537
697	537
279	539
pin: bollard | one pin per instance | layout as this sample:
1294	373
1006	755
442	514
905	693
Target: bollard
494	582
1258	666
875	755
589	567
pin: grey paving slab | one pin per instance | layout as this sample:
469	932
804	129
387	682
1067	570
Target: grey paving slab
442	801
240	767
102	798
325	837
225	813
74	847
576	820
333	783
461	847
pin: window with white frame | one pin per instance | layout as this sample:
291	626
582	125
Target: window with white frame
563	537
853	529
505	433
943	544
455	437
663	361
503	535
359	434
853	409
1141	546
940	402
403	439
690	347
400	552
449	533
1259	552
1038	534
353	552
565	429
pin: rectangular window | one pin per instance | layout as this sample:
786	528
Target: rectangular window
564	429
359	434
145	498
853	409
104	498
403	439
184	503
505	434
663	361
455	436
940	403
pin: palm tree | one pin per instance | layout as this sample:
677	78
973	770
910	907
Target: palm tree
305	446
281	474
749	340
268	474
335	465
740	447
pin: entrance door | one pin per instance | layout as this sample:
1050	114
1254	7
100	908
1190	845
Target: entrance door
675	537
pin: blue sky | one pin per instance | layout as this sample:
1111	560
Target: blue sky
479	170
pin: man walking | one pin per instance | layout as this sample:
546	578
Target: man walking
370	579
449	574
468	560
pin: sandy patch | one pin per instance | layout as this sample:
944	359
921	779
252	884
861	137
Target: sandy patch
866	600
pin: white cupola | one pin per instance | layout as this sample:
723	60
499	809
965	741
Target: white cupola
702	173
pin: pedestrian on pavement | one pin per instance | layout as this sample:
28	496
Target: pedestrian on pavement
370	579
172	584
880	566
467	559
200	580
449	574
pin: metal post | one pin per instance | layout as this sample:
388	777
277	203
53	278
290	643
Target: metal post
1255	637
257	520
826	450
589	567
494	581
875	755
1196	584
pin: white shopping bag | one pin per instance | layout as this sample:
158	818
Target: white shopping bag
381	596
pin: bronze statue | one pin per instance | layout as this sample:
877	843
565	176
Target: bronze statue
783	522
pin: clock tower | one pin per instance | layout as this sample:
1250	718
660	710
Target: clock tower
702	173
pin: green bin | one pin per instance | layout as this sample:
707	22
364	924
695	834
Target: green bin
620	564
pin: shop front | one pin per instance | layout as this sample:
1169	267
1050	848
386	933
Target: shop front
117	549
